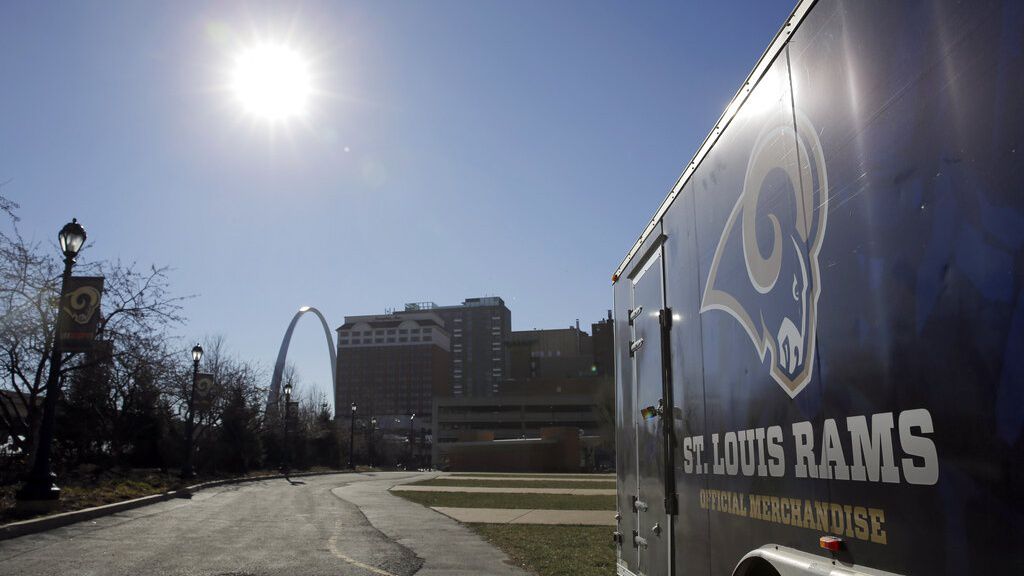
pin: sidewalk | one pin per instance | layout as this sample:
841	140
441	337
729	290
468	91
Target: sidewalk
446	547
492	490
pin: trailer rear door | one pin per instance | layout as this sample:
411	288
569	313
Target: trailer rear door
653	535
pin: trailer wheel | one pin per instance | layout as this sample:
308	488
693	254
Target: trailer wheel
755	566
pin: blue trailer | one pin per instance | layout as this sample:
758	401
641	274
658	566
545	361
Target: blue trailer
820	333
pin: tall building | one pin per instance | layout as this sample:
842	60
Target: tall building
392	364
603	341
549	353
479	329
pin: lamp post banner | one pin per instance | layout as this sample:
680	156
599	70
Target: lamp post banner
205	391
80	312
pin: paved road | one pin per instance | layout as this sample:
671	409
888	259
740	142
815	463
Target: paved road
310	526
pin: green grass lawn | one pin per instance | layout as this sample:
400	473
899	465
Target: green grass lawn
497	483
554	550
523	501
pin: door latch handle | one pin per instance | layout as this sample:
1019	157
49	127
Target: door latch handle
656	529
635	345
653	411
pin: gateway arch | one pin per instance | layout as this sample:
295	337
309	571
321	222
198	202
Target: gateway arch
282	354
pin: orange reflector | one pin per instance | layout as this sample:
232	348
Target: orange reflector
831	543
615	277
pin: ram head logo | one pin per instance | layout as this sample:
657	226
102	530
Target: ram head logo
765	269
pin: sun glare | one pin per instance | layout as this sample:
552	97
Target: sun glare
271	82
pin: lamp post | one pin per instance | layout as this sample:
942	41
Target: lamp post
412	437
373	429
287	418
351	439
40	485
186	469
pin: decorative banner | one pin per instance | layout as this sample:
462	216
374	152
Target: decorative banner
205	391
80	313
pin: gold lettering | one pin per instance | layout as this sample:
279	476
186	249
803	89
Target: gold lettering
837	519
860	520
755	507
821	511
794	505
877	519
809	516
846	520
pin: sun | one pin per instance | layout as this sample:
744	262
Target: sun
271	82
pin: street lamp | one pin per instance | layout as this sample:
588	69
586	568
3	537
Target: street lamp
373	428
186	469
40	485
412	437
351	439
287	416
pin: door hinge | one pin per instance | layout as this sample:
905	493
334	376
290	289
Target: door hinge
665	318
617	537
639	505
635	345
638	540
672	504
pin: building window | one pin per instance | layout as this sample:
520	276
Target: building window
391	340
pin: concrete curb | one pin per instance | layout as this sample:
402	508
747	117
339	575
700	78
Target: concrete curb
34	525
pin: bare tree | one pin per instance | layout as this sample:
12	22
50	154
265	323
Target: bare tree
137	309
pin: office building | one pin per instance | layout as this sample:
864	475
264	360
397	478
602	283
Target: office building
603	344
549	353
392	364
479	329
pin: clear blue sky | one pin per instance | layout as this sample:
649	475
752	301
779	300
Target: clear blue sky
454	149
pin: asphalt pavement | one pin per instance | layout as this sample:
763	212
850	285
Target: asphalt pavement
306	526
